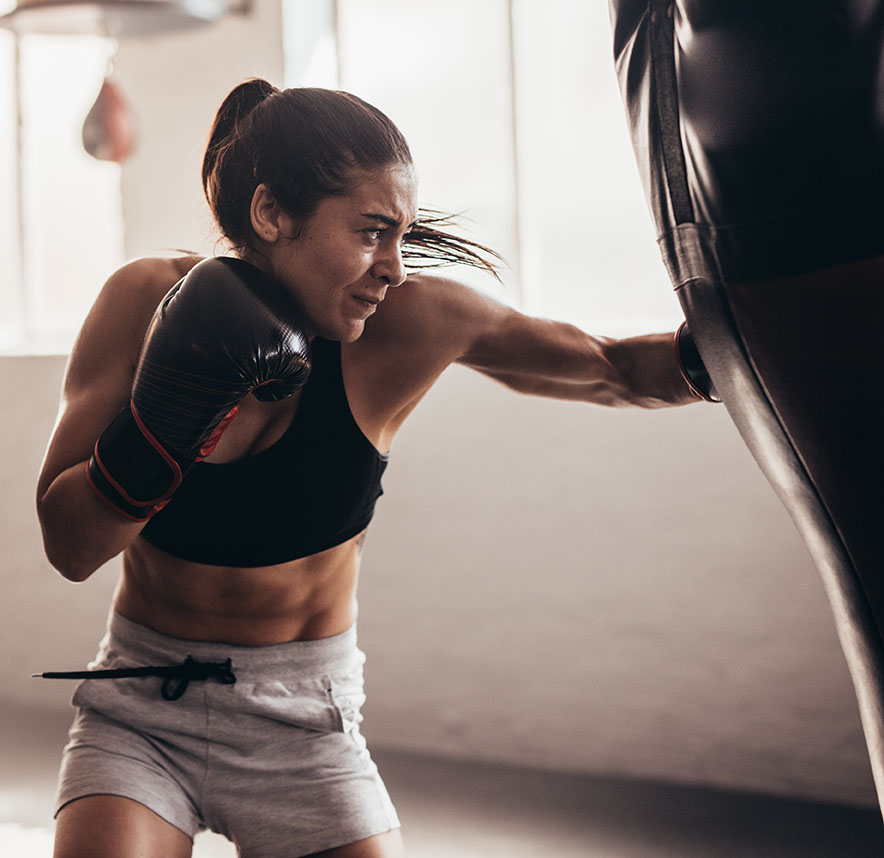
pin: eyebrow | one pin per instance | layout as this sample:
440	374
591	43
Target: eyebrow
386	219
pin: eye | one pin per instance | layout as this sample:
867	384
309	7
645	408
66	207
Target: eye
374	233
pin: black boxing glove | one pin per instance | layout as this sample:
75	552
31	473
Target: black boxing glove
692	368
225	330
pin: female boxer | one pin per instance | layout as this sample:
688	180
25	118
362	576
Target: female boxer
227	691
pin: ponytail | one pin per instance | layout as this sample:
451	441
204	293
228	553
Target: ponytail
227	186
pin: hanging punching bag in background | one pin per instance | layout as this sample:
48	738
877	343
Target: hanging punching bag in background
758	128
109	128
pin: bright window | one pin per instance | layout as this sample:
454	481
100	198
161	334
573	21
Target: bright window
441	72
11	293
514	116
61	232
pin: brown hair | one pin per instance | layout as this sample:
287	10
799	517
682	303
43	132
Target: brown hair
306	144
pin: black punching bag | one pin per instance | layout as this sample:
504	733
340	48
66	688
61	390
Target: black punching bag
758	127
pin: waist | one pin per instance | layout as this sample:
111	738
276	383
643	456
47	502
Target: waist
138	644
308	599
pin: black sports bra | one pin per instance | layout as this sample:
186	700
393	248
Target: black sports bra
313	489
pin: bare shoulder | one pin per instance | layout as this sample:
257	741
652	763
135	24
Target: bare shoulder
115	326
429	309
419	329
142	283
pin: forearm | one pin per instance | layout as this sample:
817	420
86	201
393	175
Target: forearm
649	371
80	531
561	361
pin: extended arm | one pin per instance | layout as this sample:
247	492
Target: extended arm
432	322
555	359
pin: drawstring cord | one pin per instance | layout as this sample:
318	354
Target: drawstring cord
177	676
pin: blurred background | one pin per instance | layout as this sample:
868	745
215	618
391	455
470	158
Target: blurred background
549	590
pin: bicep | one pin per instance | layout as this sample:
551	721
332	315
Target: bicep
432	322
435	322
84	413
513	345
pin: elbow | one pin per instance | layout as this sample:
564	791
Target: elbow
60	551
66	562
75	573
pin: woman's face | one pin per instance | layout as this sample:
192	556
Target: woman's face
348	253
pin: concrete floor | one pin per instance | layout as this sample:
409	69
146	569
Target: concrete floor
465	810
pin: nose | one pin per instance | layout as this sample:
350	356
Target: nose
390	268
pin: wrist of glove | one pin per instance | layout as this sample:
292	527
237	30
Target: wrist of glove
131	471
693	370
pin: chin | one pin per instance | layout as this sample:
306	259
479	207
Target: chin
348	332
354	333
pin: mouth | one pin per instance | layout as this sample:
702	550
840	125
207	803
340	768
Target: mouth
367	302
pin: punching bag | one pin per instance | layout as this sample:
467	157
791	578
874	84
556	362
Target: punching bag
109	129
758	129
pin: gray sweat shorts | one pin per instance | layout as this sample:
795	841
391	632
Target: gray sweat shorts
275	762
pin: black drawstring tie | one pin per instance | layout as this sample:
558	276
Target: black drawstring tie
178	676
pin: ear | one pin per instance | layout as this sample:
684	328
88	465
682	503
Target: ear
269	221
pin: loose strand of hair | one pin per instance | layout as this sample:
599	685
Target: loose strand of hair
430	244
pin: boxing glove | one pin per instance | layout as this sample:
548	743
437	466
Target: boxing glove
225	330
692	368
